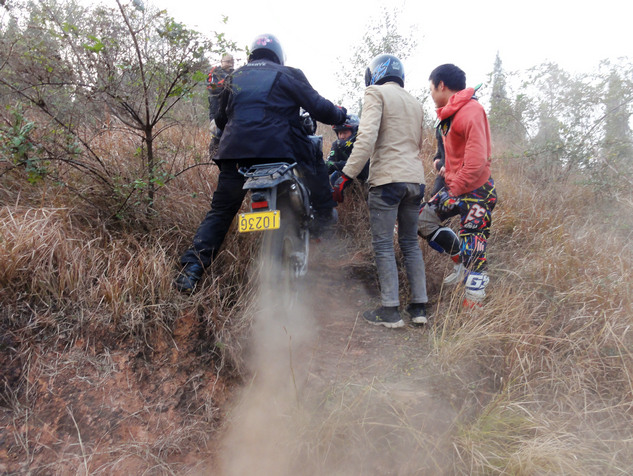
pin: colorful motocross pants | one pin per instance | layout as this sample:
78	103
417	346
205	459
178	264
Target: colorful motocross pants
475	211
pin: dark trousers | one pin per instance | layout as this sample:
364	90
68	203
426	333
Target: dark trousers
438	185
227	200
314	174
390	204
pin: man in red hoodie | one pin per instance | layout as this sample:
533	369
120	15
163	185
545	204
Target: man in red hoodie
469	191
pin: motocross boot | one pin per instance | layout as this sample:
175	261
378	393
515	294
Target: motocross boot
476	283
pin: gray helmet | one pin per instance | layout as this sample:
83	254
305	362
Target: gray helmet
384	68
267	46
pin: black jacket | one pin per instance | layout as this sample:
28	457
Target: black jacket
259	113
339	153
215	83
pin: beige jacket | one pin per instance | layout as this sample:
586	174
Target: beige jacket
390	133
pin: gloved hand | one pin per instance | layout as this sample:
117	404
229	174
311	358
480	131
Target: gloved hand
331	167
445	202
344	113
339	187
334	166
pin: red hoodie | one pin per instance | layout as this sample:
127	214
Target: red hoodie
466	143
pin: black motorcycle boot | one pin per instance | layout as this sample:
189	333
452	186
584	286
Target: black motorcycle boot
187	279
322	225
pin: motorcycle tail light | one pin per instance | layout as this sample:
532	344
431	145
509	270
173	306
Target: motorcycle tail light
259	200
258	205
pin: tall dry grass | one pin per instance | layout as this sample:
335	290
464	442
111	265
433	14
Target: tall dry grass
541	375
554	337
75	281
537	381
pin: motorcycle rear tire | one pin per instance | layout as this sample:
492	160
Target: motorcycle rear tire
279	268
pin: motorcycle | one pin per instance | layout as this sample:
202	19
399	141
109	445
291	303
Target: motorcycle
280	209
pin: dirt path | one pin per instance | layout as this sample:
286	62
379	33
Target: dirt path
329	394
332	394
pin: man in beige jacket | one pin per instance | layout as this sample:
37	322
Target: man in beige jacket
390	132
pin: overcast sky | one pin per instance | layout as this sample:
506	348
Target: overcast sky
316	35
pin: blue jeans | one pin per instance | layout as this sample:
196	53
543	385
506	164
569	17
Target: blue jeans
387	204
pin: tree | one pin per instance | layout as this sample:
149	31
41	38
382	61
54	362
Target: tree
617	144
382	36
562	116
547	144
87	69
506	116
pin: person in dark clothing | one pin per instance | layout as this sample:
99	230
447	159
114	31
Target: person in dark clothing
215	82
215	85
342	147
260	116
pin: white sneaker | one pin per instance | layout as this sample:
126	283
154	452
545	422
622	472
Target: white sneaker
457	276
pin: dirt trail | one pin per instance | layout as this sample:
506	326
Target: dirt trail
332	394
328	394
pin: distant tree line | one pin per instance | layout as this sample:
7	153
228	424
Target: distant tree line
559	123
565	123
72	75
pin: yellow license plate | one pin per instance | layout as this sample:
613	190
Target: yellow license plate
258	221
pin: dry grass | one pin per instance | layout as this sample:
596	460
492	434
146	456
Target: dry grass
76	287
543	372
554	337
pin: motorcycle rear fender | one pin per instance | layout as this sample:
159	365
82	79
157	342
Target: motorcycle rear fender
268	181
267	175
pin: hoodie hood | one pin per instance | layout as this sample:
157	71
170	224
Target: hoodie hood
455	103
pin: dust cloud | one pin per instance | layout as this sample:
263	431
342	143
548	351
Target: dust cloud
264	421
309	410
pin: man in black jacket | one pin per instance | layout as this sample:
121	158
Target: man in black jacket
215	82
215	86
260	119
